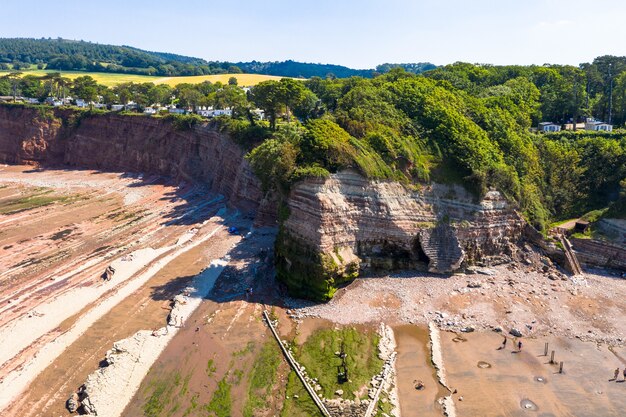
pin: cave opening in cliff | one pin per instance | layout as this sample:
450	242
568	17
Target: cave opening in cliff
418	251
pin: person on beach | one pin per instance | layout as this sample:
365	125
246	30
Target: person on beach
616	374
519	346
624	375
504	343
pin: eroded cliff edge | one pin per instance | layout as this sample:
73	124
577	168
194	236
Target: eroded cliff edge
343	224
331	228
114	142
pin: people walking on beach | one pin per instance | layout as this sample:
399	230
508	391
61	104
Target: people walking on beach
504	343
519	346
624	375
616	374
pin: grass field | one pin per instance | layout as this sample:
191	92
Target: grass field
111	80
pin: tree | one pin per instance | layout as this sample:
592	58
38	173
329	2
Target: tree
14	80
160	94
232	81
285	95
273	162
86	88
266	95
188	95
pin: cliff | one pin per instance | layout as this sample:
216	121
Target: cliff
345	223
336	227
129	143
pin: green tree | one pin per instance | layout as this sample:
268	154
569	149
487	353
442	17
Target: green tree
86	88
14	80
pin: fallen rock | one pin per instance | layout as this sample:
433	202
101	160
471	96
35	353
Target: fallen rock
72	403
108	273
515	332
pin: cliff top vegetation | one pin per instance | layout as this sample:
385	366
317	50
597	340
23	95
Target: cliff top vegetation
463	123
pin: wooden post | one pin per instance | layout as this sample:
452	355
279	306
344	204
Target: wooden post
561	367
545	349
552	357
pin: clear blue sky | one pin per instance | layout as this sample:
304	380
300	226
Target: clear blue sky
356	33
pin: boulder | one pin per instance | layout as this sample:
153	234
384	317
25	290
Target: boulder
72	403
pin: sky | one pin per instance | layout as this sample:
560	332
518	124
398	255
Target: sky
355	33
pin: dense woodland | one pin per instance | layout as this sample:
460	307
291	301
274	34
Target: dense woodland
68	55
460	123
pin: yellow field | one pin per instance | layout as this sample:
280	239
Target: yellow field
244	80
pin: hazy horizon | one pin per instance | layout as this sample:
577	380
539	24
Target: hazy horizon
355	34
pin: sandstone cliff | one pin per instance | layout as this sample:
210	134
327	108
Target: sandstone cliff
128	143
336	227
345	223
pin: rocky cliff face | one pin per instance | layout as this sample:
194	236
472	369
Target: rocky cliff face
28	136
336	227
345	223
128	143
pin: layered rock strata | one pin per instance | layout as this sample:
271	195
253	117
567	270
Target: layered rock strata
600	253
115	142
345	223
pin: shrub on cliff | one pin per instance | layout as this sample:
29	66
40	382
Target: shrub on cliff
184	121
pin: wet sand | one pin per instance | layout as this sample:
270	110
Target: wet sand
583	390
147	308
220	341
413	363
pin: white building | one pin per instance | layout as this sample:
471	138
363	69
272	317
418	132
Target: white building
81	103
222	112
597	126
549	127
117	107
205	113
174	110
149	110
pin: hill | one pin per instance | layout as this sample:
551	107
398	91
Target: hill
70	55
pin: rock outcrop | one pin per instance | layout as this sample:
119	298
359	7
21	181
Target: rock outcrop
343	224
129	143
337	226
600	253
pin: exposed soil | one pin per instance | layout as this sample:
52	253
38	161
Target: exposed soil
583	390
102	225
60	248
220	341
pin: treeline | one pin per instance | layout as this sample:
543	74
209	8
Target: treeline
464	124
68	55
302	70
566	93
184	95
417	129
